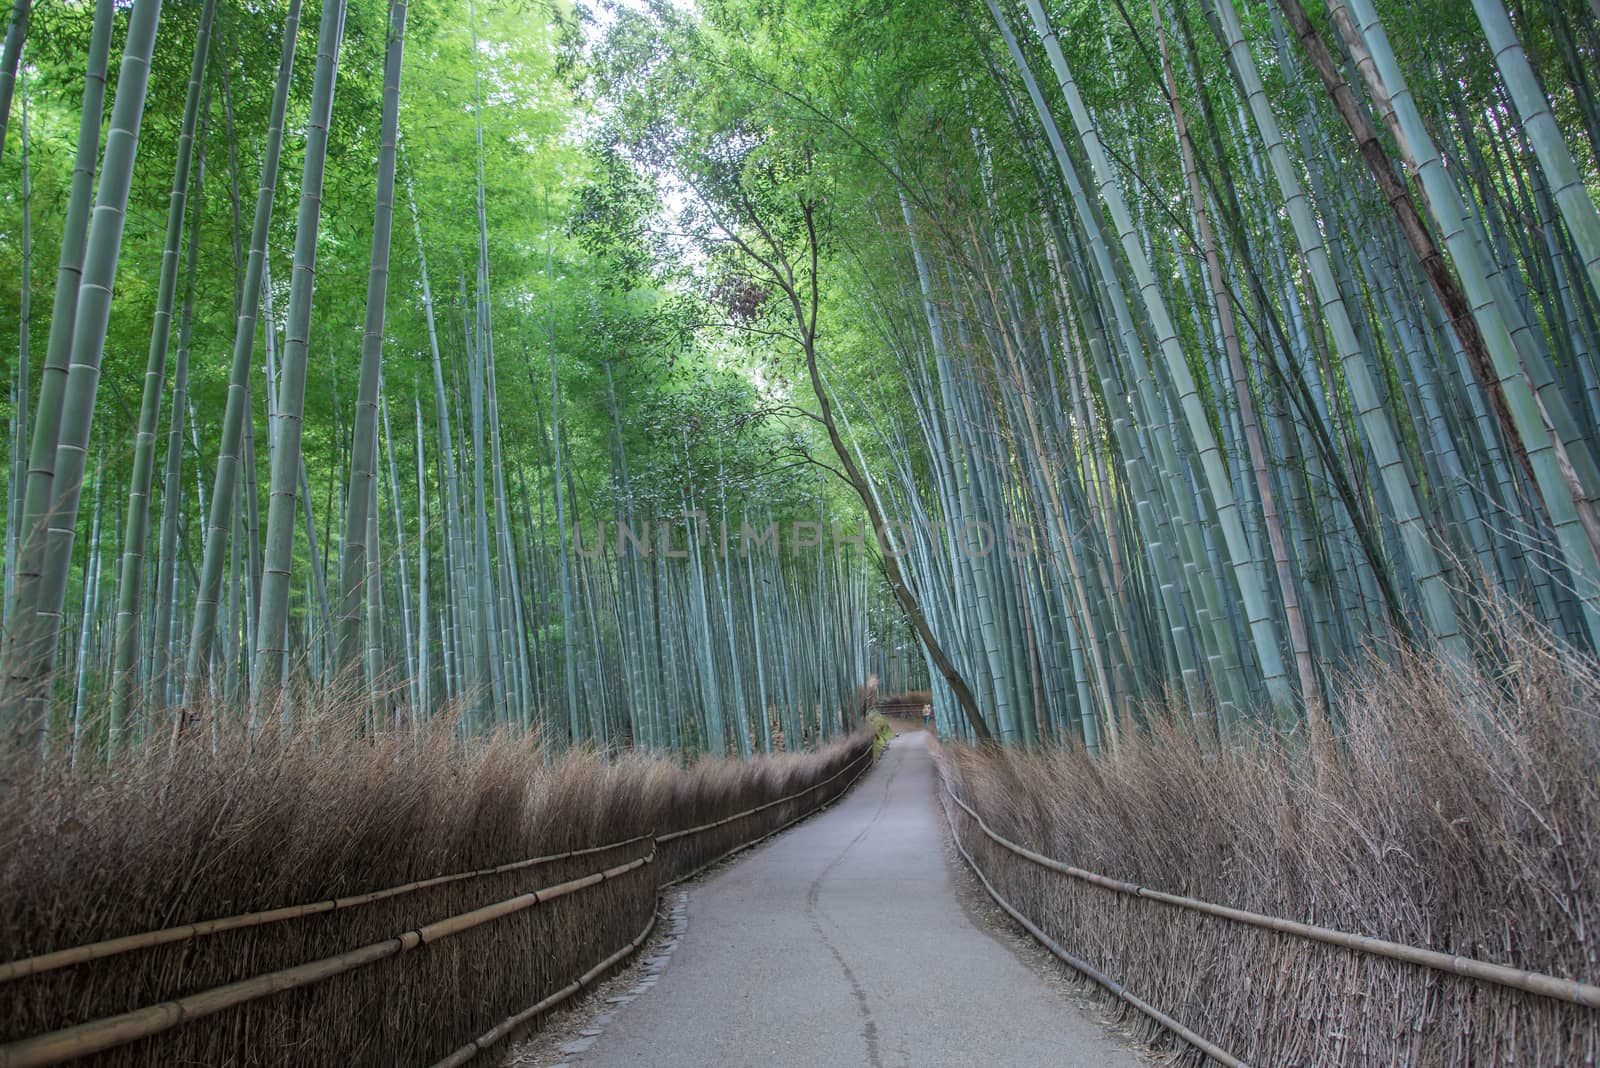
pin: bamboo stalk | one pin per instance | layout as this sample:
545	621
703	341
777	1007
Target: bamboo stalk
130	602
46	425
288	465
356	571
10	58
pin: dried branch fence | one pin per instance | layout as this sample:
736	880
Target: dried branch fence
1025	883
616	901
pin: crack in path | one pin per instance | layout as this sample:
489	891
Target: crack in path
869	1026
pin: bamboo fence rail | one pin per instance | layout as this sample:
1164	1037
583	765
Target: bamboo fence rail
1550	986
96	1035
111	947
511	1023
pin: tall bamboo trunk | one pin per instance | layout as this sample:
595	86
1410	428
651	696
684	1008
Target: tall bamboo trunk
10	58
237	415
130	607
271	658
1299	643
354	565
42	591
45	427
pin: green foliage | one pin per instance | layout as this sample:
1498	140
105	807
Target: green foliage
882	732
654	181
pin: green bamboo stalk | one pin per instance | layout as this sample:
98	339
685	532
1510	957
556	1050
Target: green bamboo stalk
234	689
28	680
237	417
22	390
354	565
413	676
130	607
91	603
451	514
10	59
424	677
374	653
46	424
271	658
161	684
569	650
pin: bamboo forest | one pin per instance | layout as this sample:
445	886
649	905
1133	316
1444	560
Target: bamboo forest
444	433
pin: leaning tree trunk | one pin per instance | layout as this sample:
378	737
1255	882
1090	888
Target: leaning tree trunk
805	315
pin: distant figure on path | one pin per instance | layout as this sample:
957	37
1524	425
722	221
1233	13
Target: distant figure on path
927	717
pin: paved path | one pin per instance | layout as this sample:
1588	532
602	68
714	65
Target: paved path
842	942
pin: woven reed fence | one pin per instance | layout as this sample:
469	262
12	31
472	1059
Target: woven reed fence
1241	988
432	971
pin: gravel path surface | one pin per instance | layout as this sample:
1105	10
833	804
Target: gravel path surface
843	942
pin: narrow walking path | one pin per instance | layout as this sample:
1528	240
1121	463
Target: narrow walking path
842	942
